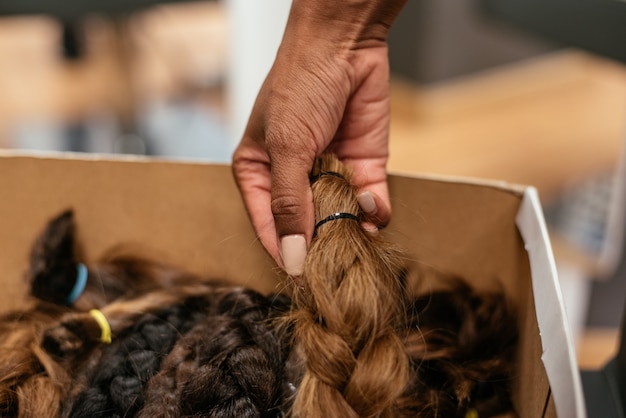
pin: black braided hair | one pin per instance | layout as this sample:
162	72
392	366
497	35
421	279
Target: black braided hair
462	344
124	368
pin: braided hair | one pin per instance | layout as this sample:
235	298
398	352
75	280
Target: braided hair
349	311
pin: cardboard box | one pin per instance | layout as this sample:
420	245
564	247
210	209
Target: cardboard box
191	215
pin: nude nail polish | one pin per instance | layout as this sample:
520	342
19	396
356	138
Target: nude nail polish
367	203
293	253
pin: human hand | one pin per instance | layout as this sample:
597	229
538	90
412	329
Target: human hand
327	91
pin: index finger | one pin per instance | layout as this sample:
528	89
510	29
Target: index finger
253	178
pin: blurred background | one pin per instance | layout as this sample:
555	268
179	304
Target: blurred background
472	96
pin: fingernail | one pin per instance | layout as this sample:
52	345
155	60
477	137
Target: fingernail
370	228
367	203
293	253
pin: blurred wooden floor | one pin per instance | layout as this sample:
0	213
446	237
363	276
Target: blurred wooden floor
546	122
596	347
167	51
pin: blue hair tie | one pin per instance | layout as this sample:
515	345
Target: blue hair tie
79	286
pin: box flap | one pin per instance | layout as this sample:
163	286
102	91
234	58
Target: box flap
556	340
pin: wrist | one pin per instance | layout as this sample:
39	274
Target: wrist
350	23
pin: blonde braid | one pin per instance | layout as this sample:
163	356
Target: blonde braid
349	310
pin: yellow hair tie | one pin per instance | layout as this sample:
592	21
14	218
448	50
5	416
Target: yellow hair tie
105	337
471	413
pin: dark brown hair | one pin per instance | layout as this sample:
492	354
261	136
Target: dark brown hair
462	344
230	365
54	262
31	383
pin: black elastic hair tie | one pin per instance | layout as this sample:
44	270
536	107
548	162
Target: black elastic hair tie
335	216
316	177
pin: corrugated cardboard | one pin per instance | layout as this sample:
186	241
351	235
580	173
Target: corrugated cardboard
191	215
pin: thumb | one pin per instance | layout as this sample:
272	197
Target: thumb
292	207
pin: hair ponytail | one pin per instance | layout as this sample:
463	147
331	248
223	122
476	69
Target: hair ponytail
348	314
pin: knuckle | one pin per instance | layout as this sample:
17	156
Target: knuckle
284	207
237	166
289	215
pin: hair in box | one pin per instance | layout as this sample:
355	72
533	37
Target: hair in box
54	266
31	381
462	344
363	346
230	365
115	385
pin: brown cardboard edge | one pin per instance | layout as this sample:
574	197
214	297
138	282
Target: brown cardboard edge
505	186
